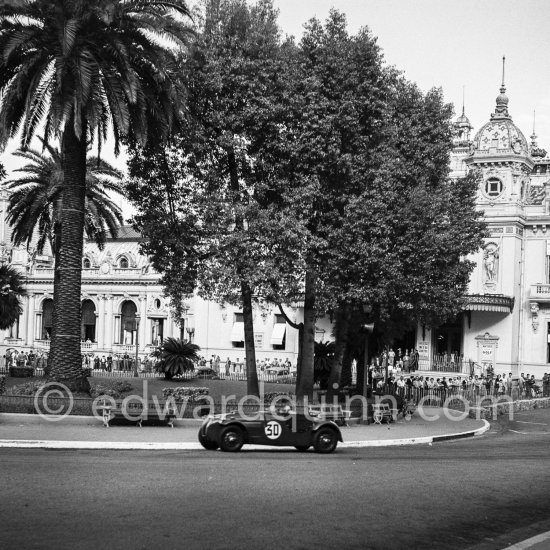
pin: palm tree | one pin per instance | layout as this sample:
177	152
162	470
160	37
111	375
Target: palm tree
11	291
35	205
176	357
82	68
322	364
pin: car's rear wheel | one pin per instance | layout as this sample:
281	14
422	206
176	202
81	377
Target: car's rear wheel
208	444
231	439
325	440
302	448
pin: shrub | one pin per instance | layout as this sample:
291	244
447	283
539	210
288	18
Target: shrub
283	397
2	385
21	372
28	388
181	393
177	357
116	389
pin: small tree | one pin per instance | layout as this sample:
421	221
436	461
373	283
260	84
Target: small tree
11	291
324	355
176	357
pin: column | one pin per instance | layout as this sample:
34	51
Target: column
148	331
100	322
116	331
38	325
22	328
108	321
29	340
142	321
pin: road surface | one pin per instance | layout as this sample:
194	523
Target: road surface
483	493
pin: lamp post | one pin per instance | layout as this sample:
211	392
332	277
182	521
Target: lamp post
367	309
185	309
137	346
190	328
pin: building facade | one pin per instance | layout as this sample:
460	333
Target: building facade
124	310
506	320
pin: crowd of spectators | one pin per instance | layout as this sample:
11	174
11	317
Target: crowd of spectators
470	386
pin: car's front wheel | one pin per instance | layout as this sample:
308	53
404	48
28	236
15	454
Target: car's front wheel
231	439
325	440
208	444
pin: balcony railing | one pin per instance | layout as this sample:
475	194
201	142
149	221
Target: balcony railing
540	292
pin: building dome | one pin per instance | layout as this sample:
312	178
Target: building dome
463	120
501	134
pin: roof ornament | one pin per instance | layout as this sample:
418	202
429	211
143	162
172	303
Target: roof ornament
501	110
536	151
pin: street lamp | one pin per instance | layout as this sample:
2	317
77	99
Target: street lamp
184	309
137	346
367	309
190	328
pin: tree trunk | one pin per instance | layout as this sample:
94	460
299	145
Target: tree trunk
252	387
65	354
341	333
304	389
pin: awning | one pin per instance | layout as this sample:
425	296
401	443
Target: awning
237	333
278	334
488	302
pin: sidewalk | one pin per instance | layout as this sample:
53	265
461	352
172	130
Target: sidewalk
85	432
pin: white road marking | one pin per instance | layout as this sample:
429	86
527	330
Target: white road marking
529	543
530	433
537	423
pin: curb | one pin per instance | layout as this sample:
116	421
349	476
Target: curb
428	440
188	446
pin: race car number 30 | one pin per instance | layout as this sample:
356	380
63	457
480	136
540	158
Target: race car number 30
273	429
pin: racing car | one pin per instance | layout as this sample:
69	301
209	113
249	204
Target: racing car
231	431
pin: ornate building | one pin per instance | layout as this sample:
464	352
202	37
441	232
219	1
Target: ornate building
123	306
506	319
506	322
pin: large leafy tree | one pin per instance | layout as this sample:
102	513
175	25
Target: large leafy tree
213	229
12	290
387	229
35	204
82	67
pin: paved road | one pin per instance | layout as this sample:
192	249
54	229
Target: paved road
482	493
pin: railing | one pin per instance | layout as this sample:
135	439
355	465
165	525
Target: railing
124	348
88	346
43	344
540	291
447	363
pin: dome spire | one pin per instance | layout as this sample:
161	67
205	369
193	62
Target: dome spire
501	110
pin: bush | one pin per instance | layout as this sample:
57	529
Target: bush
28	388
283	397
2	385
116	389
21	372
181	393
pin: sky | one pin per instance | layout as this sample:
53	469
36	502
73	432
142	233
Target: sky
453	44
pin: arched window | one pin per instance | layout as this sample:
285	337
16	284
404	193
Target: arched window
87	327
86	264
47	319
128	327
123	263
